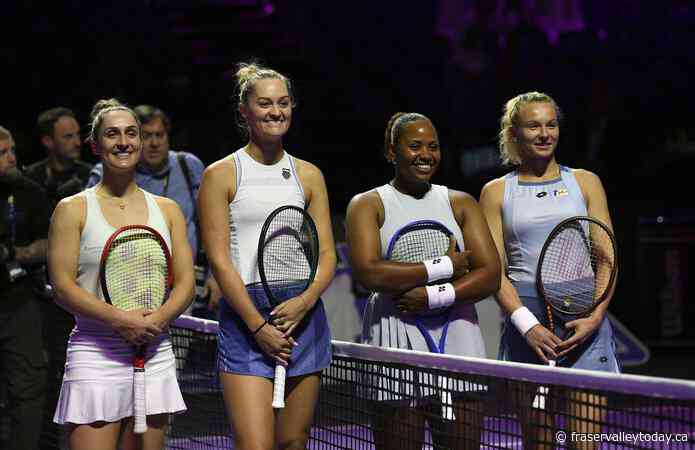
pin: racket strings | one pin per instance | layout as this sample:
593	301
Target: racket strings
417	243
136	271
577	267
290	248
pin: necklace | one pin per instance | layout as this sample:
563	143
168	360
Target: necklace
119	201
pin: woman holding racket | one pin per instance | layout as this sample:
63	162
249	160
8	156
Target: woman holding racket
424	305
96	400
522	208
237	195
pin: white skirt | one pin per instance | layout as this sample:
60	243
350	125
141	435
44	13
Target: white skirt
98	380
384	326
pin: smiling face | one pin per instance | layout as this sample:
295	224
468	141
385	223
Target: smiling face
118	140
416	155
538	130
268	112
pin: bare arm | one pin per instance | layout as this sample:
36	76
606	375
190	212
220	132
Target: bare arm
365	215
217	190
483	279
491	199
540	339
33	253
318	209
182	266
64	250
597	207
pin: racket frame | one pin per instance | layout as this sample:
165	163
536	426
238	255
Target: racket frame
139	392
539	282
280	371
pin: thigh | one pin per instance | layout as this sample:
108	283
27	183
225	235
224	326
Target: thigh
294	420
248	400
93	436
152	439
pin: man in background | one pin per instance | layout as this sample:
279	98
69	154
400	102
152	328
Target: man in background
23	233
176	175
61	174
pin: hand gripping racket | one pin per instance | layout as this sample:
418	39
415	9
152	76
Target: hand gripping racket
577	269
288	254
135	273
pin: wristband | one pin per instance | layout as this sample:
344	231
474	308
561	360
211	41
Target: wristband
524	320
440	295
259	327
439	268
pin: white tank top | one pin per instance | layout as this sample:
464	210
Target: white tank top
92	240
401	209
260	189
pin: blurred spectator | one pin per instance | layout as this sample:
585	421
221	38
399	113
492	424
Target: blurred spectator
23	231
176	175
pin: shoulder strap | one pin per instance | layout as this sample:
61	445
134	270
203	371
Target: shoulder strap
186	175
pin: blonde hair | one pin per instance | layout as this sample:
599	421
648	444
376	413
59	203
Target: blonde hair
509	149
97	116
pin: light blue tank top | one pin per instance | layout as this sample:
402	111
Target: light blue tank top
529	213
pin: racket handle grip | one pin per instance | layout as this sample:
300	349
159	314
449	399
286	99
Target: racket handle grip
139	409
552	363
279	386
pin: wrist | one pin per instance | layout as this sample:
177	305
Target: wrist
440	295
523	319
439	268
258	328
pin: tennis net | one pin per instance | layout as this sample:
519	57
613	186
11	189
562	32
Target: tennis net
397	399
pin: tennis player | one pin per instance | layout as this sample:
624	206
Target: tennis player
373	217
237	194
96	397
522	208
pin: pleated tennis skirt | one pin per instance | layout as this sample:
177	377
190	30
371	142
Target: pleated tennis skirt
98	381
384	326
596	353
239	353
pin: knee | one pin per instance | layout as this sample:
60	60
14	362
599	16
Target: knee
297	443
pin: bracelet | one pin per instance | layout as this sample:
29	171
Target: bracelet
523	320
439	268
259	327
440	296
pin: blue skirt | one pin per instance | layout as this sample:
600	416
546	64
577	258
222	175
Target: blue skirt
239	353
596	353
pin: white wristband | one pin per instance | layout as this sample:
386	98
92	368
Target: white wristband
524	320
439	268
440	295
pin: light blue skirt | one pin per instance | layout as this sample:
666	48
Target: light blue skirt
596	353
239	353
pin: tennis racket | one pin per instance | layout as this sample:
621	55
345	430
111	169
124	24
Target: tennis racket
288	256
577	269
135	273
417	242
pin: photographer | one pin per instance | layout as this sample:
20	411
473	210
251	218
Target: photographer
23	232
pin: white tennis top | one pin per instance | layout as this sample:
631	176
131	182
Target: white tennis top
94	236
260	189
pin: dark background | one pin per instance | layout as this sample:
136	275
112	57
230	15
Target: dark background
620	70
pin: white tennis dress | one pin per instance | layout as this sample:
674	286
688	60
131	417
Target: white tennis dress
98	380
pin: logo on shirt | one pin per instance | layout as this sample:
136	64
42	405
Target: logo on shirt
285	173
554	193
